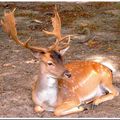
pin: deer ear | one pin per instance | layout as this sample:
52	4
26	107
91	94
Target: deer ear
38	54
63	51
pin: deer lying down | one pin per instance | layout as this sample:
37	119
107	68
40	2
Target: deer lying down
61	88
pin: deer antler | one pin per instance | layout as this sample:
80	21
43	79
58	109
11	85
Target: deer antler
56	23
9	26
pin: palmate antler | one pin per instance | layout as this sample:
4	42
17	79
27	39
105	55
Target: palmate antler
9	26
60	40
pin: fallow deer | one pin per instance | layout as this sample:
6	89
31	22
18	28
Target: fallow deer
61	88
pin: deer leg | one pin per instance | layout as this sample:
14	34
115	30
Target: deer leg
35	99
37	107
68	107
112	93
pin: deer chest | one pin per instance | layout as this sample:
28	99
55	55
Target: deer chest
48	95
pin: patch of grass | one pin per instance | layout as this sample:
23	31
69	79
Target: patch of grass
23	33
68	17
117	5
91	27
85	14
118	23
99	5
26	14
107	13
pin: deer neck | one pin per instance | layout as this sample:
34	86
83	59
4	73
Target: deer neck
47	89
45	78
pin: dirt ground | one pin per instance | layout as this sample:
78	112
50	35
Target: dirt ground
18	67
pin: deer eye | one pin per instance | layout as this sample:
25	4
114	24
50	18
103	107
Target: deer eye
50	63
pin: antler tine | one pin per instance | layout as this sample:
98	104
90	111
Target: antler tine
14	10
9	26
63	44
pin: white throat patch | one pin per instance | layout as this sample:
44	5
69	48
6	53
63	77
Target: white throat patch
48	95
51	81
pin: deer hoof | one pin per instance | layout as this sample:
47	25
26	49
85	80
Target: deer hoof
93	106
38	109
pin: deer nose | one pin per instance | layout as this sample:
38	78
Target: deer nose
67	74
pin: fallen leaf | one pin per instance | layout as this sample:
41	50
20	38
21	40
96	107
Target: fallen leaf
9	65
30	61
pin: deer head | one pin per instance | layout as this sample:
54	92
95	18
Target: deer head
50	57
